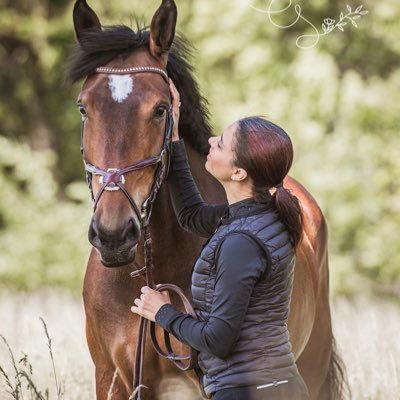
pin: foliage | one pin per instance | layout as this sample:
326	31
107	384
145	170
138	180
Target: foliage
338	101
42	233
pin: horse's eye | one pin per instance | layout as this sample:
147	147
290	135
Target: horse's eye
81	109
160	111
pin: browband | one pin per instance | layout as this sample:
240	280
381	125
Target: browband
132	70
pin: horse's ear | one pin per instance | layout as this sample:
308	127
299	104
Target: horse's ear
85	19
162	30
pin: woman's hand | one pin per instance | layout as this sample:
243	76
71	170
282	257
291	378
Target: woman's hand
175	109
150	302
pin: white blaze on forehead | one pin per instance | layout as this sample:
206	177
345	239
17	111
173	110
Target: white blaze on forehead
121	86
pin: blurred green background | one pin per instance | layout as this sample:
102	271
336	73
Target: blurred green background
339	101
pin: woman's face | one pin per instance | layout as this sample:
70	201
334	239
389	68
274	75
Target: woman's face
220	158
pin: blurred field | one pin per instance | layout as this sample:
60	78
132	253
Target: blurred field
366	331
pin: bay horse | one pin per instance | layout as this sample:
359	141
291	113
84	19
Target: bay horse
125	117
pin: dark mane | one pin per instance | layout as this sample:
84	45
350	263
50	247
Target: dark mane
99	48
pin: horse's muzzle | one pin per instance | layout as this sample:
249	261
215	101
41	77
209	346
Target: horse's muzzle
117	247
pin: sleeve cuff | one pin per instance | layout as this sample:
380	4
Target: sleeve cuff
179	161
177	143
178	149
166	315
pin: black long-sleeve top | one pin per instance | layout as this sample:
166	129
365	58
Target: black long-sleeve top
240	263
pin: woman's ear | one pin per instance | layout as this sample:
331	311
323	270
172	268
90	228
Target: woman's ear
239	174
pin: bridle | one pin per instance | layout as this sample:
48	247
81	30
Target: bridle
113	179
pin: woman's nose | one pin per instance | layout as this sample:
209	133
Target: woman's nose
211	140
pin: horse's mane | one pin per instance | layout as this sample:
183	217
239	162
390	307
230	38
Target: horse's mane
99	48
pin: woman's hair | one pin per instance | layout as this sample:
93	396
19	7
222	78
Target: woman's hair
265	152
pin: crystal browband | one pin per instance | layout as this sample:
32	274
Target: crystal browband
131	70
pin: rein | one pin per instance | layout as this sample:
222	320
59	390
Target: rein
113	179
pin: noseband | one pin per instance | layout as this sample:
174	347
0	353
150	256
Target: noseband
113	179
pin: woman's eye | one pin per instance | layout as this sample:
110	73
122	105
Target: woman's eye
160	111
219	144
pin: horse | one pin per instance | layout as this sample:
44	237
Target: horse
125	117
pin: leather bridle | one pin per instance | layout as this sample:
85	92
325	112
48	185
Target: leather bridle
113	179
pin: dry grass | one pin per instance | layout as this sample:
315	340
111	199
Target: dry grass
366	333
21	326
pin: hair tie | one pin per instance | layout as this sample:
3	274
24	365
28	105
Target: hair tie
278	185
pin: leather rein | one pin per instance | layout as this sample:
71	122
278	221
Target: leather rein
113	179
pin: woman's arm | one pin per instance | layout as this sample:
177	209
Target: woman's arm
241	262
192	212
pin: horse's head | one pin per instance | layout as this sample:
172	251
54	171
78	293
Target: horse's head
125	121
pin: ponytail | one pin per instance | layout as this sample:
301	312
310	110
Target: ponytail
290	213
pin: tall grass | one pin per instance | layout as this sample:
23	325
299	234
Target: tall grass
20	383
62	356
366	331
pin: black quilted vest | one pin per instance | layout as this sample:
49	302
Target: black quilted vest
262	353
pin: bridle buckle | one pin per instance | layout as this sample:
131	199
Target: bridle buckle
111	179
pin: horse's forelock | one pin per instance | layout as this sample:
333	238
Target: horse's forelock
97	48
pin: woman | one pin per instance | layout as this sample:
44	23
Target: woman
242	280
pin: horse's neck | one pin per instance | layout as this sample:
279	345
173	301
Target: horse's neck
174	250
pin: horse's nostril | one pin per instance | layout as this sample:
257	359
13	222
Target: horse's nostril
93	233
126	235
125	231
132	232
92	230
